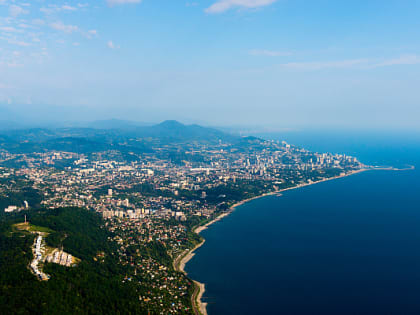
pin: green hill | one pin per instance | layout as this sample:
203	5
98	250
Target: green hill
93	287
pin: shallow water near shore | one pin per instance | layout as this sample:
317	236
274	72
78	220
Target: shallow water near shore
345	246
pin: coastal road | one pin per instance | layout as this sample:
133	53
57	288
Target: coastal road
179	264
194	299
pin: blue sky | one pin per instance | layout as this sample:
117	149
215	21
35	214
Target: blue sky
283	64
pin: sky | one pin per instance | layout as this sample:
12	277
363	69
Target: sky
275	63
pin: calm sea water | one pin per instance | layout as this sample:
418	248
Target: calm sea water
349	246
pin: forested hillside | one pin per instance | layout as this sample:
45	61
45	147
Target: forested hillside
93	287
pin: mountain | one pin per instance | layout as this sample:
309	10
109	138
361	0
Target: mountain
9	125
172	130
114	124
135	139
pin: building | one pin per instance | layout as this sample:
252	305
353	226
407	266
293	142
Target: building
11	209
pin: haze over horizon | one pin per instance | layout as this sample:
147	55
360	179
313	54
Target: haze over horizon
277	63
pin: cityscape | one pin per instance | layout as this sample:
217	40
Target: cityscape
152	202
209	157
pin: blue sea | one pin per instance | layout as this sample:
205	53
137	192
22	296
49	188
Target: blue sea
348	246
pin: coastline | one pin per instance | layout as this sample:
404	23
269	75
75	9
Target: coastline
200	307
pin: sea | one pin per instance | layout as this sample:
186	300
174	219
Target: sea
347	246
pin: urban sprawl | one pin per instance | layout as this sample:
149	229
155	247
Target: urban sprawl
152	202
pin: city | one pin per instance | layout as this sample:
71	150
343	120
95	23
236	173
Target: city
152	203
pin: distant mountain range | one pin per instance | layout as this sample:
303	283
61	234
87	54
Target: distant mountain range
98	124
111	124
171	129
109	135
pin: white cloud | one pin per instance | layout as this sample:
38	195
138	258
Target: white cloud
269	53
90	34
5	86
52	8
10	29
116	2
38	22
60	26
402	60
13	64
319	65
15	41
111	45
68	8
351	63
47	10
19	43
224	5
23	25
15	10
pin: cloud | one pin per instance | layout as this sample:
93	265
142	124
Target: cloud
10	29
52	8
402	60
47	10
68	8
15	10
5	86
225	5
19	43
319	65
23	25
363	63
116	2
111	45
269	53
60	26
38	22
13	64
90	34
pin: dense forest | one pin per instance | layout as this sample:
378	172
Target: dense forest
93	287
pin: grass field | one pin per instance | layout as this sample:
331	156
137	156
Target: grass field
32	228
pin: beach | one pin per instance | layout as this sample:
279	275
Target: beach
180	262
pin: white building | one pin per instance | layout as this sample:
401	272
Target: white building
11	209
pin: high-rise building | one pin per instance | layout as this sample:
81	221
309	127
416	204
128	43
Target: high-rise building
126	203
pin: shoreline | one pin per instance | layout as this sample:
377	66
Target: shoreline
200	307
